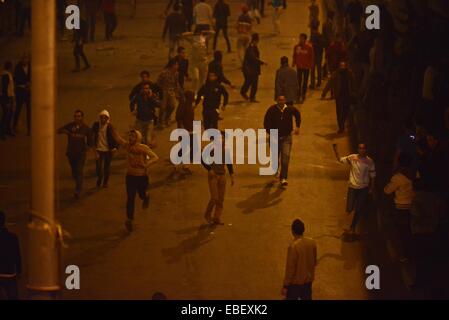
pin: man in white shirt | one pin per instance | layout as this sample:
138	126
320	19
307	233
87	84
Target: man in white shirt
361	182
202	15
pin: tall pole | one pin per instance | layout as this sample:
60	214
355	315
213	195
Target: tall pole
43	254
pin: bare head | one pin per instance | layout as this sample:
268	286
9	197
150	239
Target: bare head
146	89
302	38
104	119
78	116
298	228
361	149
145	76
182	52
132	137
281	101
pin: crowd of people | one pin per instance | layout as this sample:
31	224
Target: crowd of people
356	66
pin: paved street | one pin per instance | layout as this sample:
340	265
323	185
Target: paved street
172	249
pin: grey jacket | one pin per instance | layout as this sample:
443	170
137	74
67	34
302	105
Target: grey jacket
286	84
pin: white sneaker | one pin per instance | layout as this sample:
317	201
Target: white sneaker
284	182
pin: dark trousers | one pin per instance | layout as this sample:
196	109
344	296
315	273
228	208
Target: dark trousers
110	20
318	68
78	52
188	13
135	185
77	162
225	35
23	98
303	79
356	200
9	287
7	114
24	19
251	81
91	26
210	118
262	7
103	164
299	292
342	108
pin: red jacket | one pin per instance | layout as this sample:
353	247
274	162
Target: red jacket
303	56
335	53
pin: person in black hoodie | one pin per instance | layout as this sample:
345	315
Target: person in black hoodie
104	147
22	79
212	91
280	117
221	14
10	260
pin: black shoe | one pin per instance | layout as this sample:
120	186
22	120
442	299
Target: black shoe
146	202
244	95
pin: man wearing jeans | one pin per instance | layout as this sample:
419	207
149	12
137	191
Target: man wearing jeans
78	135
280	117
104	147
361	182
144	106
303	55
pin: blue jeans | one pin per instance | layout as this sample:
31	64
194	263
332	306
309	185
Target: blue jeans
284	148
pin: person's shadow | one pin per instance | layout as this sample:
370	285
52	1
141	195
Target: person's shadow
203	235
263	199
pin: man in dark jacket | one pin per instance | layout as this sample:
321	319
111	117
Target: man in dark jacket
221	15
175	26
216	66
145	78
80	38
251	69
104	147
212	91
318	47
286	83
342	83
183	64
78	142
280	117
22	79
144	107
10	260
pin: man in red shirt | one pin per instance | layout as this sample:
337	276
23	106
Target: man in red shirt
335	53
303	60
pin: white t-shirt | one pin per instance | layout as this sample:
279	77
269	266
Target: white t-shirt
362	169
202	13
102	144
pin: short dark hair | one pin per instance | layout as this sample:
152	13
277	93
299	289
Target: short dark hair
303	35
298	227
404	160
7	65
255	37
2	219
284	60
144	73
180	49
79	111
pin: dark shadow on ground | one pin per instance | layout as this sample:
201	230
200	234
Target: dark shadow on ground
263	199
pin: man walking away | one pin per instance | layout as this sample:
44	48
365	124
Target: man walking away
202	15
251	69
318	46
78	140
361	182
221	15
22	79
280	117
175	25
286	83
6	100
217	186
303	61
140	157
10	260
104	147
144	106
80	37
300	266
212	92
342	84
110	18
244	26
168	81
